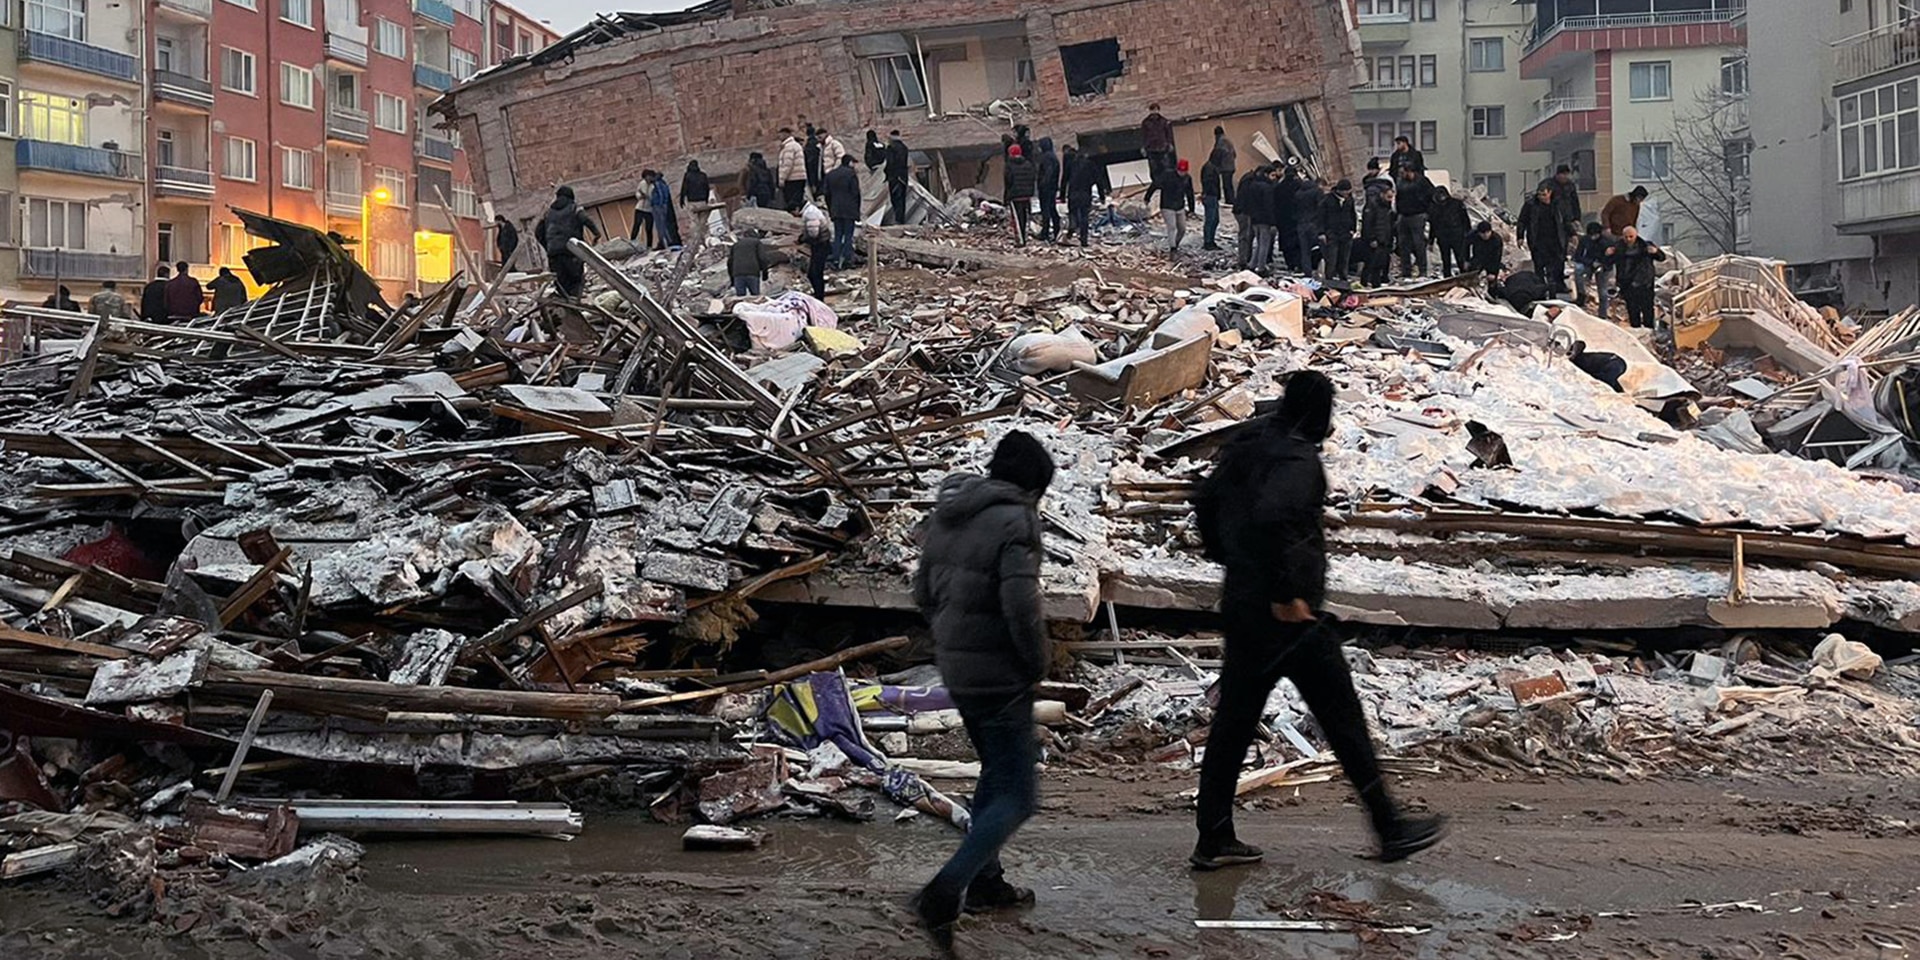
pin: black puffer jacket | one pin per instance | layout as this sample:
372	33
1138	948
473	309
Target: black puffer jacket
1259	514
1048	164
1337	217
842	188
1635	261
1448	218
563	221
1023	178
1376	223
979	586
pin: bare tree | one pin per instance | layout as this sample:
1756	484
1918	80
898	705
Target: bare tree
1707	180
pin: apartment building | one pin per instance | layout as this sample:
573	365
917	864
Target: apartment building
9	177
513	33
1445	74
1651	93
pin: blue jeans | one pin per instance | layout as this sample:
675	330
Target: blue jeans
843	228
746	286
1001	728
664	226
1211	225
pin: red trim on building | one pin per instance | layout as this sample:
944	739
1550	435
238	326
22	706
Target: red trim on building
1538	63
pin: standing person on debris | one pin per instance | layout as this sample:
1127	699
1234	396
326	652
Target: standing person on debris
978	584
61	299
1210	190
757	181
816	234
899	171
1256	196
1176	202
792	170
694	185
1156	140
664	222
564	221
1633	259
748	261
1590	267
1337	221
153	296
506	239
1449	224
1413	202
643	218
1082	175
1306	205
184	294
1048	164
1243	211
1486	252
229	291
1260	515
1622	211
811	155
1286	219
1566	200
1375	180
1539	227
1224	158
108	304
876	151
842	186
1404	157
1376	237
1022	182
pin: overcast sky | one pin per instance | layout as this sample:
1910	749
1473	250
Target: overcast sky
567	16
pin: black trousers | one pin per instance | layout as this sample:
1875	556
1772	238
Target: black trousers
1337	252
1080	217
569	274
1376	259
1260	651
1552	267
1022	220
642	223
1049	215
794	195
1453	254
1639	306
897	195
817	253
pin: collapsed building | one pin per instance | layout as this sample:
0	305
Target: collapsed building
718	80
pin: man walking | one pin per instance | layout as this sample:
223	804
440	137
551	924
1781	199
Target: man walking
792	164
1633	259
842	187
978	585
1022	182
564	221
1412	202
899	171
1336	231
1539	227
1049	190
816	234
1260	515
1176	202
1449	224
1566	200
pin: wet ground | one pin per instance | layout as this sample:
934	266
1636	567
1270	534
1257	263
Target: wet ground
1817	868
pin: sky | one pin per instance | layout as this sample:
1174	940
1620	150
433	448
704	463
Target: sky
567	16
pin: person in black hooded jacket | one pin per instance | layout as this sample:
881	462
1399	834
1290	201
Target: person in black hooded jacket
1259	514
1082	177
564	221
1337	222
1048	190
978	584
695	187
876	152
1448	222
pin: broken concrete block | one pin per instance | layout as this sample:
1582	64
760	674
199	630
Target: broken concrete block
707	836
569	403
698	573
1707	669
831	343
1537	688
135	681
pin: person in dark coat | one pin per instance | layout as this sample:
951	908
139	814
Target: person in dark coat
978	584
695	187
153	296
899	171
185	296
1286	220
1405	157
664	222
1337	222
1486	252
1211	188
1566	200
564	221
757	181
1306	207
1375	179
1590	267
61	299
1538	227
844	202
1224	158
1243	209
1375	242
229	291
1156	141
1082	177
1633	262
1048	190
1022	183
506	239
1448	222
1259	514
876	152
810	156
748	261
1176	201
1412	205
1605	367
1256	196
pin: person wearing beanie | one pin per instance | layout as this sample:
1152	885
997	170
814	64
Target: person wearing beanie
1023	183
1337	222
564	221
978	584
1175	186
1259	514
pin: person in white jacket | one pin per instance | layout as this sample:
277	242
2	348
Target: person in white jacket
831	150
792	169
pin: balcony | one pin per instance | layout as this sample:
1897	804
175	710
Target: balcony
1555	44
175	181
341	203
1886	204
436	148
347	124
1376	98
346	49
175	87
55	264
74	55
1556	119
1386	29
439	11
1876	51
432	78
67	158
196	9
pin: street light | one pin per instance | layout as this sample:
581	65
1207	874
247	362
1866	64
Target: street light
366	225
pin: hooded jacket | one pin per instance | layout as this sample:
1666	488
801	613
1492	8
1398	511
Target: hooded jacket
1337	217
978	584
229	291
1081	179
1539	227
831	150
1448	218
563	221
1023	178
1259	515
694	185
1224	157
1306	207
842	187
153	301
1566	201
1412	198
1376	222
752	257
1255	199
876	151
899	161
1156	133
1486	254
757	181
811	154
1048	163
793	161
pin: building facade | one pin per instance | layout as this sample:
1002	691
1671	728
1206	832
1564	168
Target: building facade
1646	93
1445	74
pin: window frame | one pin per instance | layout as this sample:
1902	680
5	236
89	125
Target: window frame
1487	122
73	12
1477	63
252	73
1426	10
252	154
380	100
401	31
287	166
1656	92
7	121
1429	70
68	209
395	180
287	6
1880	127
895	64
1485	180
1429	137
295	70
33	103
1736	68
1660	172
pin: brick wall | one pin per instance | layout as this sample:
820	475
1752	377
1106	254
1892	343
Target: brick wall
745	98
558	138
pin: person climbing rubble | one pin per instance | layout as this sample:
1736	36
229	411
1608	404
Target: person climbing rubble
564	221
1633	260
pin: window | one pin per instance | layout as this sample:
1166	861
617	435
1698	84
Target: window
61	18
1429	70
242	3
1429	136
6	125
1487	55
1495	184
1668	234
239	160
465	202
1385	8
1733	76
235	241
164	55
389	38
46	116
898	80
395	182
527	43
164	232
502	40
1879	130
57	223
297	12
346	90
389	112
1406	71
1383	73
1489	123
390	259
236	71
1651	161
296	168
296	86
1650	81
1426	8
1739	159
461	62
164	153
469	7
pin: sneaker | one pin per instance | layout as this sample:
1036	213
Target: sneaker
994	895
938	927
1231	853
1410	835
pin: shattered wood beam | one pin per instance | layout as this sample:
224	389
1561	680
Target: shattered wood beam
83	381
536	618
41	641
830	662
391	696
125	448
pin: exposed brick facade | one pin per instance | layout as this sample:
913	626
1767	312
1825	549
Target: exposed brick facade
713	91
